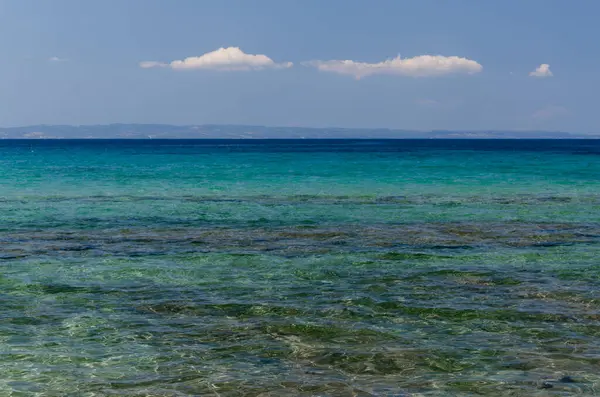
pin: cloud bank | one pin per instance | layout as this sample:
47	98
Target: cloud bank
542	71
419	66
225	59
550	112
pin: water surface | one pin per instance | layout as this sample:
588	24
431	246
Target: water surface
299	268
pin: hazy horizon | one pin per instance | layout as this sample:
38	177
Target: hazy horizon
229	131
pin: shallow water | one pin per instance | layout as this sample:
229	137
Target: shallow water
344	268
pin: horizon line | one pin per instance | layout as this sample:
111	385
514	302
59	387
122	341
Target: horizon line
302	127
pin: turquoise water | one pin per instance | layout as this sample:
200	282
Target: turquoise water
299	268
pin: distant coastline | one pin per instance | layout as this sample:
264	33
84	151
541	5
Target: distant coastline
210	131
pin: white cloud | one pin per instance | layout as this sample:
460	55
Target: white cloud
152	64
542	71
427	102
550	112
228	59
56	59
419	66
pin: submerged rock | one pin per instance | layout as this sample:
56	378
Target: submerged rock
566	379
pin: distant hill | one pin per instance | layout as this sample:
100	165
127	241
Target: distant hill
164	131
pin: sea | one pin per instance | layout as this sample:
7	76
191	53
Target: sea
299	268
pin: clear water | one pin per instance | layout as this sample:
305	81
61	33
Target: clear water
299	268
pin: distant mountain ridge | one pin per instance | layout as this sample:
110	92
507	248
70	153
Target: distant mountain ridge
210	131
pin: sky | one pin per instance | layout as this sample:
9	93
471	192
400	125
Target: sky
411	64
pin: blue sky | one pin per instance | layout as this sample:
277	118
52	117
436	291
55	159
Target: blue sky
78	62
